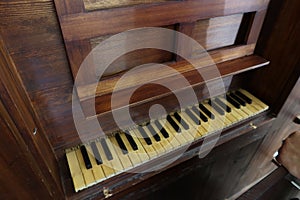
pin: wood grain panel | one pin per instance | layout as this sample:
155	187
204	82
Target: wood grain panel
24	120
139	57
33	39
226	54
95	23
104	4
217	32
278	43
150	93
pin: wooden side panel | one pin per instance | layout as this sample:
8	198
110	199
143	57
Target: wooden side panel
18	171
278	84
33	38
279	43
31	143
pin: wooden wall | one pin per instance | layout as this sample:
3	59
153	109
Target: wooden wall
33	37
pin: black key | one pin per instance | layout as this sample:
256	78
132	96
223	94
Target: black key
162	129
216	107
193	117
86	158
173	124
181	121
121	143
233	102
202	116
96	153
131	141
247	99
153	133
206	111
144	135
223	105
238	99
106	150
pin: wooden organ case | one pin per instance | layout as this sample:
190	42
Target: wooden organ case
254	45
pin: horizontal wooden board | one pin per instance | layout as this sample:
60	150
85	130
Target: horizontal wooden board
149	93
82	26
104	4
218	56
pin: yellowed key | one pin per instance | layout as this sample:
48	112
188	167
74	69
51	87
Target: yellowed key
252	106
163	141
141	150
206	125
238	113
155	144
87	173
255	108
107	165
179	137
172	140
198	130
200	126
116	163
185	133
132	154
212	125
228	115
255	100
97	169
75	170
222	120
248	110
148	148
124	159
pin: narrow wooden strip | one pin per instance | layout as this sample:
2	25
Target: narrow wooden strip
218	56
104	4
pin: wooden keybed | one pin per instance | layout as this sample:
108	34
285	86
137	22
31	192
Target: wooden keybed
106	157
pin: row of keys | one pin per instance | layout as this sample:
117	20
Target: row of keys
106	157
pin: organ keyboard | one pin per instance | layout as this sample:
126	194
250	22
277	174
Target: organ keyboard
103	158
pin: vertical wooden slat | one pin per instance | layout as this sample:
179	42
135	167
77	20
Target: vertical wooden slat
256	26
187	29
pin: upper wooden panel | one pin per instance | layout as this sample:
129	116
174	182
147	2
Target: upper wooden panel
104	4
83	25
215	24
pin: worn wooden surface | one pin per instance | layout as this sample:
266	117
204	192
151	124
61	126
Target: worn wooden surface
214	24
147	93
160	15
33	38
25	149
276	83
217	32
